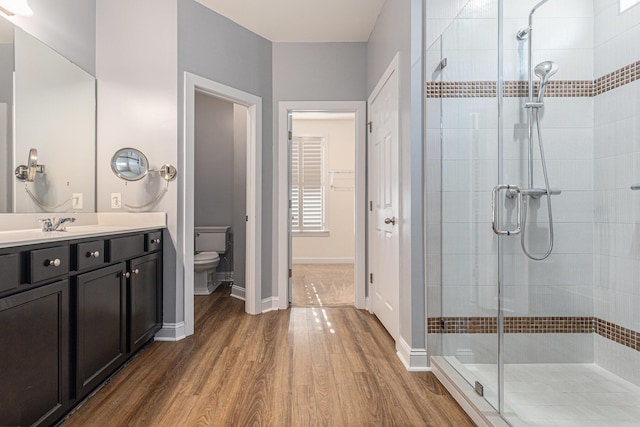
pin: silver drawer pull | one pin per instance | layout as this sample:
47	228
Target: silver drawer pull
155	241
136	271
95	254
513	190
52	263
127	274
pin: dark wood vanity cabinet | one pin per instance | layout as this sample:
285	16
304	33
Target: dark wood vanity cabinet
144	300
34	356
71	314
119	307
101	326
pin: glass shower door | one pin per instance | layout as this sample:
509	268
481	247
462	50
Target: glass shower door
465	84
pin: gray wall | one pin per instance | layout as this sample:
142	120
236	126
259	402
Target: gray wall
399	28
67	26
319	72
213	187
220	174
212	46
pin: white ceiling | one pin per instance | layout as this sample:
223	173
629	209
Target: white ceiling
302	20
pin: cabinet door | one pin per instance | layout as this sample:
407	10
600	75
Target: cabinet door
34	356
145	299
101	327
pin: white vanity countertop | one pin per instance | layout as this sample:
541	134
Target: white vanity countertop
19	231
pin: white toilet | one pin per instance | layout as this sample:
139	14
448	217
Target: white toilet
210	242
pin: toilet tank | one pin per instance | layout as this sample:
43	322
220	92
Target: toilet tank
212	239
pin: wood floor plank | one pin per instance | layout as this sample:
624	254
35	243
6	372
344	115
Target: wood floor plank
298	367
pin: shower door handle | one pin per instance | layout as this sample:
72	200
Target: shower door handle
513	189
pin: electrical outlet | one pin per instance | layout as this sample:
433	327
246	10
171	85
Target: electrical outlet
116	201
77	200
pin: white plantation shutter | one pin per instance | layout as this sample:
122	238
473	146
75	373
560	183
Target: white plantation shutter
295	187
307	184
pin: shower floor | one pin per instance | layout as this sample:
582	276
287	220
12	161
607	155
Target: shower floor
554	395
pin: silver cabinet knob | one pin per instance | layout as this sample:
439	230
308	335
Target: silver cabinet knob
53	262
129	273
391	221
95	254
155	241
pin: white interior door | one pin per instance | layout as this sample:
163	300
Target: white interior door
384	196
290	204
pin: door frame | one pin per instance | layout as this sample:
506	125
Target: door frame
281	196
253	286
392	68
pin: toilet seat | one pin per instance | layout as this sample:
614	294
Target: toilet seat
205	257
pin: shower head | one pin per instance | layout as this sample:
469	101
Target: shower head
544	71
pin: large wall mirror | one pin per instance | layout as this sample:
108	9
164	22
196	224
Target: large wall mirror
47	103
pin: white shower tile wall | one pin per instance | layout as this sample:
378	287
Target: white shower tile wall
616	258
563	284
592	146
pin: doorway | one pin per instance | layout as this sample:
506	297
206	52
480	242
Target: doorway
284	260
322	227
220	193
253	283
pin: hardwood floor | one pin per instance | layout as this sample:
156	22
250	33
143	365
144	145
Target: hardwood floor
299	367
326	285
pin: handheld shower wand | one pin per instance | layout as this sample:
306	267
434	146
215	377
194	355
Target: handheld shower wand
544	71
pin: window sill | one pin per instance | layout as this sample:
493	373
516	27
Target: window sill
324	233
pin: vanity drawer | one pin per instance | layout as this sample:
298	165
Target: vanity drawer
153	241
89	254
123	248
9	272
49	263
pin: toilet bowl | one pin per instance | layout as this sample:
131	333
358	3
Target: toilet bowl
204	265
210	243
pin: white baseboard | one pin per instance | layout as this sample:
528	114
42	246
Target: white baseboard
238	292
270	304
323	261
171	332
414	359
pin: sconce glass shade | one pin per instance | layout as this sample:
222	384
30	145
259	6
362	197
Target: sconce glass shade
15	7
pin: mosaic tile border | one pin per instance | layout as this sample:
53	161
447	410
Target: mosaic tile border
512	89
617	333
518	89
617	78
536	325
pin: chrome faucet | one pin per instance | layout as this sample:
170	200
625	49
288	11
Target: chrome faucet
57	225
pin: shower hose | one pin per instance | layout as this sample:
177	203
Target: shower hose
548	189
